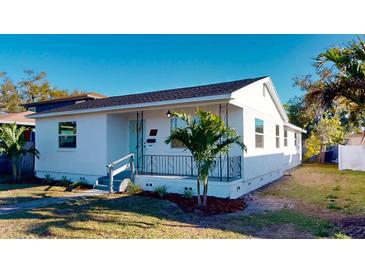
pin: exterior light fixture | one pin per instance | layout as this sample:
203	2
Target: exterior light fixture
168	114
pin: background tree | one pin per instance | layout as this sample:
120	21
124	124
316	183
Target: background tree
12	144
10	99
205	136
327	132
33	88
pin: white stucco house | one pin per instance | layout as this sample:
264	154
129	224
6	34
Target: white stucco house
80	140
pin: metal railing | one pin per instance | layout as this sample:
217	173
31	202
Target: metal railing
113	171
225	168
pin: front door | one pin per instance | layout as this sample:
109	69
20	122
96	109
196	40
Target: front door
136	142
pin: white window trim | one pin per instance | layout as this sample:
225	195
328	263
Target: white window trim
259	133
61	135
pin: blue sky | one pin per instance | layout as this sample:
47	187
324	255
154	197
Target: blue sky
122	64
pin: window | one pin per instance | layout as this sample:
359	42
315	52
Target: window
259	133
67	135
177	123
285	138
277	136
295	139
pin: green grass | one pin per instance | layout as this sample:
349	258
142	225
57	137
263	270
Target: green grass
115	216
18	193
315	226
324	186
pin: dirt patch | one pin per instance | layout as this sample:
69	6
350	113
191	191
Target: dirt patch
353	227
214	206
282	231
257	204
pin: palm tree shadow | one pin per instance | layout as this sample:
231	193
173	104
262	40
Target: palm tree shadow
74	218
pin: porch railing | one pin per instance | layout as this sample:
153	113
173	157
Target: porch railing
225	168
113	170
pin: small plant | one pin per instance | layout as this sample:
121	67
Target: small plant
48	179
161	191
133	188
188	194
64	181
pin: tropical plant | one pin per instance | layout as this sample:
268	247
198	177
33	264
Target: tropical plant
205	136
188	194
48	179
64	181
347	64
12	144
133	188
161	191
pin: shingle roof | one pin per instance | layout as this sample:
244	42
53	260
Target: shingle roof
18	118
157	96
91	95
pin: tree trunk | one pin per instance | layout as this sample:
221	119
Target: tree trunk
198	191
205	191
322	154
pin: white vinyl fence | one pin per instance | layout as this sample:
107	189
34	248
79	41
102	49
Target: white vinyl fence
351	157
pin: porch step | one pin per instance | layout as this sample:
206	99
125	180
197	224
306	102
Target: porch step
103	182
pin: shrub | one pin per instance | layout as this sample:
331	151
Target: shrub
133	188
48	179
161	191
188	194
64	181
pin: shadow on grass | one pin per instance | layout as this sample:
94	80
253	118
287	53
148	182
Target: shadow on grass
122	216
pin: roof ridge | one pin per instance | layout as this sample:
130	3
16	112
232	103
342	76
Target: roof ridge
188	87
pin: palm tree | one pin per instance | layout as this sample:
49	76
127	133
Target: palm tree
12	144
205	136
348	67
347	82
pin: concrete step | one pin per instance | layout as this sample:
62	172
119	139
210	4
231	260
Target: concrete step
119	181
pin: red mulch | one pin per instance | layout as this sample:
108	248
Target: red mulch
214	205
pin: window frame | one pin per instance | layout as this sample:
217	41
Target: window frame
260	133
60	135
285	137
277	136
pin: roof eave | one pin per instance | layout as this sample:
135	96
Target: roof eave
295	127
133	106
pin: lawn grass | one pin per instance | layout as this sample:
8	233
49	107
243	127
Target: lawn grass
316	226
323	187
18	193
114	216
312	187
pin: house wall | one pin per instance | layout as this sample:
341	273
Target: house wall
86	161
263	165
117	136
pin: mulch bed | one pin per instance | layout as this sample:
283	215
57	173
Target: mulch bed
353	227
214	205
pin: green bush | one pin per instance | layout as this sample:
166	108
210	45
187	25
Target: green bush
188	194
64	181
133	188
161	191
48	179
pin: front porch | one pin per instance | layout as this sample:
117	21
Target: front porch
143	134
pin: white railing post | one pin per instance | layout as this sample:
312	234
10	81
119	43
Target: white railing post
111	179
